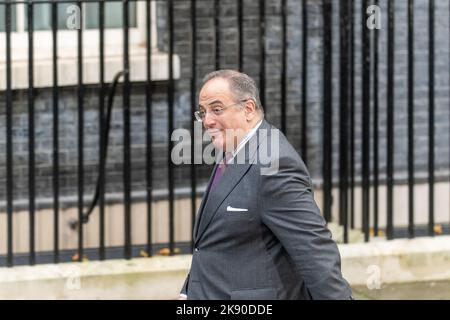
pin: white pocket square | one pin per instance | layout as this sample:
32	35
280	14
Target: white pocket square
230	208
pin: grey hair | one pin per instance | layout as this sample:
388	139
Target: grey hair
241	85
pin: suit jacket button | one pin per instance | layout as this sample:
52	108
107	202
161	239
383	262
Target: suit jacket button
196	249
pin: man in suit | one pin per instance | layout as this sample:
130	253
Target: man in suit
258	235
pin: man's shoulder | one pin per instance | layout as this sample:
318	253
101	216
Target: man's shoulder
277	147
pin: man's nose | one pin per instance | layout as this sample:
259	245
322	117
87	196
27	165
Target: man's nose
208	121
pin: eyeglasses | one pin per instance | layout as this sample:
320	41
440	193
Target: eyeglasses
216	111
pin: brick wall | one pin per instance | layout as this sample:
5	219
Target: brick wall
228	59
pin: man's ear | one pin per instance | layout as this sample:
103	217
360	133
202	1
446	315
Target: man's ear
250	110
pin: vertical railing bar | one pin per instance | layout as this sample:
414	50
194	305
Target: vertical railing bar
304	87
55	92
217	34
283	65
31	141
375	129
343	116
390	119
411	118
126	132
80	136
342	101
240	35
365	41
101	119
352	115
170	93
9	145
193	109
148	106
327	109
431	102
262	43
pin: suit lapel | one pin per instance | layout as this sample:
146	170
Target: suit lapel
218	159
214	198
219	193
204	199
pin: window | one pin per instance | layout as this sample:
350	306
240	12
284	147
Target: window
68	44
3	21
42	17
113	15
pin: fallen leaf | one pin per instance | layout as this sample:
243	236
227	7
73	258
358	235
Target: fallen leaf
372	232
143	253
166	251
438	229
76	256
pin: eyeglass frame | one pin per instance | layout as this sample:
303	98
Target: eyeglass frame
199	118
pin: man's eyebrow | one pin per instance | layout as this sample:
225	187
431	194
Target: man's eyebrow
214	102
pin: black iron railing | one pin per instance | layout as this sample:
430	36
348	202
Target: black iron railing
347	181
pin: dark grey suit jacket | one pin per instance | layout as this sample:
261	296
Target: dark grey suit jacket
280	248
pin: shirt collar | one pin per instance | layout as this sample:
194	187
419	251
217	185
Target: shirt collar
244	140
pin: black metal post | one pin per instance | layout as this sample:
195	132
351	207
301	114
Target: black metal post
304	88
55	92
31	147
343	115
148	106
365	120
80	90
390	120
283	65
217	33
126	132
375	129
9	145
170	94
431	108
240	34
193	109
352	114
327	108
411	118
101	118
262	44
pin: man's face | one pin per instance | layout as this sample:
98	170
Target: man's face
214	96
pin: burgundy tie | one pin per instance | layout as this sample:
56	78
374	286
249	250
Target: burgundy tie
220	170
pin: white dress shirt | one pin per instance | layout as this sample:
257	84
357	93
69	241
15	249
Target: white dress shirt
244	140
